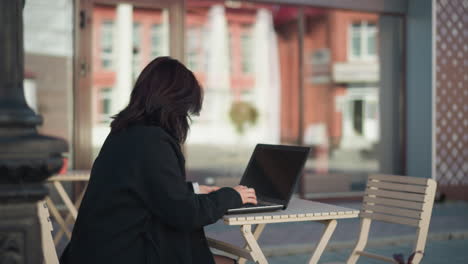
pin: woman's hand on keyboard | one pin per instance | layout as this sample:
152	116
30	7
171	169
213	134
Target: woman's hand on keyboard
247	194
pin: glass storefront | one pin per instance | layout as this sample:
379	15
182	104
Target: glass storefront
235	48
253	57
271	73
125	39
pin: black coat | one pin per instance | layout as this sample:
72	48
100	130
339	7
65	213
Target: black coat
138	207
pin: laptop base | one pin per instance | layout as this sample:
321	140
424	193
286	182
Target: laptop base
255	209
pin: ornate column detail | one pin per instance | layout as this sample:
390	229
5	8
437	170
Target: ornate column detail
26	157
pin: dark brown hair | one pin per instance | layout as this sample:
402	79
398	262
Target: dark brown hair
165	94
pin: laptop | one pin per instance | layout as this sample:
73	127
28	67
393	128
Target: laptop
273	171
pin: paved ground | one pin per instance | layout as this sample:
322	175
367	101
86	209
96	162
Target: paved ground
437	252
292	242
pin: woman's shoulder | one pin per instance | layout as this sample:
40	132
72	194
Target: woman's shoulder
145	133
152	138
148	135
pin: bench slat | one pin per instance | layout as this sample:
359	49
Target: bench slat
398	187
391	219
400	179
392	211
396	195
393	202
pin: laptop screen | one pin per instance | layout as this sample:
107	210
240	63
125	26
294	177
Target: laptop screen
274	170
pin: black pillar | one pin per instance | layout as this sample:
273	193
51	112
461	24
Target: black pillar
26	158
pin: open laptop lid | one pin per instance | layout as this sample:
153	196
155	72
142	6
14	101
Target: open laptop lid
273	171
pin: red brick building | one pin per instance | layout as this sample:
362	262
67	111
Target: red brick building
340	58
328	42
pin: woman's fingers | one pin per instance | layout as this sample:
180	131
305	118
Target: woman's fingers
250	196
247	194
251	200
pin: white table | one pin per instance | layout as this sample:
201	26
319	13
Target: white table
298	210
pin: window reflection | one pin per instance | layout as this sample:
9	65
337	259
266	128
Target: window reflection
363	40
126	38
194	46
246	49
252	91
105	102
107	44
156	40
241	105
137	49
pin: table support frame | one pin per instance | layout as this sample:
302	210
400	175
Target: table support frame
330	226
252	251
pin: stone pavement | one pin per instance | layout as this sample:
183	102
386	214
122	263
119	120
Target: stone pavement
293	242
437	252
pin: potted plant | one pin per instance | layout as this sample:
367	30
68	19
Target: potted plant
243	114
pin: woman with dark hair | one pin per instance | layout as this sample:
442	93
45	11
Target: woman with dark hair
137	207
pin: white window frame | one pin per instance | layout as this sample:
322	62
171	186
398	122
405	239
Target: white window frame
106	55
104	93
364	32
156	50
194	43
137	29
247	50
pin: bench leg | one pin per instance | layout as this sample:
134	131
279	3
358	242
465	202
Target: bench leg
322	244
66	199
69	218
56	214
256	233
257	253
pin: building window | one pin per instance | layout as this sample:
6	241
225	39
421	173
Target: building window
105	99
230	51
194	48
363	41
246	50
107	44
136	49
156	40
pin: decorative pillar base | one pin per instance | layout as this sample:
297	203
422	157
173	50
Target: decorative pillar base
20	233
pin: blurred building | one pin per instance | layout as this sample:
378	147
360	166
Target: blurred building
341	78
340	60
390	74
221	47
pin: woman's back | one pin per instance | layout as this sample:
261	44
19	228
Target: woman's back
138	205
112	209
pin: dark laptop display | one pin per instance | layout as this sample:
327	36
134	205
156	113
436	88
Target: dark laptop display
273	172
